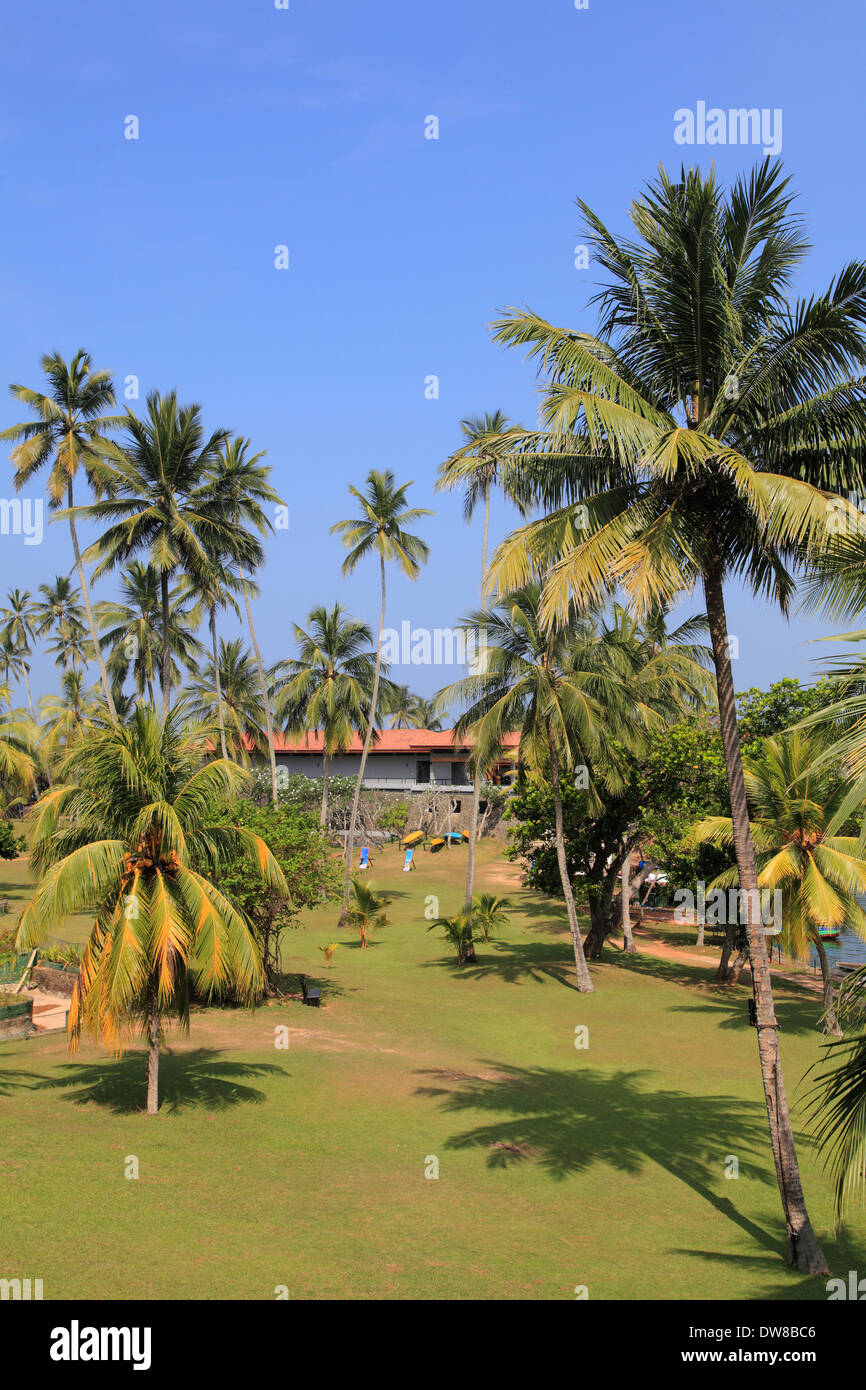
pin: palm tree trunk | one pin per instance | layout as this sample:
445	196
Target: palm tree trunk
218	683
166	645
584	980
476	777
368	738
152	1048
323	814
85	594
627	937
29	695
829	1020
804	1250
263	686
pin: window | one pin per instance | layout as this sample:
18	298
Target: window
422	772
456	803
458	774
482	807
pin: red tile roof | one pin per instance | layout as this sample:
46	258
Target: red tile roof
415	741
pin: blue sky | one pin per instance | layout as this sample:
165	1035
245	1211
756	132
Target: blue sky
306	127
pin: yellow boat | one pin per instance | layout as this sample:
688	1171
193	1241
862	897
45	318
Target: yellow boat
414	839
436	844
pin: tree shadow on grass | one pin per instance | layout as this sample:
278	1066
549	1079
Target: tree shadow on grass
186	1080
17	1080
514	963
566	1121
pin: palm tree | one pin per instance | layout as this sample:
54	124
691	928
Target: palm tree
484	461
458	933
328	685
380	529
838	1097
818	874
17	765
405	710
367	911
69	434
19	624
66	717
228	696
490	912
239	490
693	439
574	696
130	837
156	503
131	629
59	612
214	589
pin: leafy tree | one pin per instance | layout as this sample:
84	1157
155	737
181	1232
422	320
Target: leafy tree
309	874
763	713
132	836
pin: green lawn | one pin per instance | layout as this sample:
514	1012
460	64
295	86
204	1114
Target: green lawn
558	1167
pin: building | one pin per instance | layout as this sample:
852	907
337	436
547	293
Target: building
400	760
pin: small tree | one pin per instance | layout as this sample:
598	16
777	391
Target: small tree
489	913
458	933
366	910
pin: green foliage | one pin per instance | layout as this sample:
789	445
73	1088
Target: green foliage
11	845
489	913
300	848
684	776
763	713
367	909
394	816
458	933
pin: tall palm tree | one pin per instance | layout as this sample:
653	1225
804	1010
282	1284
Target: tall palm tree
328	685
59	613
696	438
239	490
483	462
426	714
19	624
69	434
381	530
573	697
65	718
228	696
131	836
131	628
818	874
155	503
214	590
404	710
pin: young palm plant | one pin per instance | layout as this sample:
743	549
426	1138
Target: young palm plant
367	910
817	874
328	686
130	837
490	913
696	438
380	530
458	932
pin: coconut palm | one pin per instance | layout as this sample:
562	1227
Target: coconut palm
239	490
837	1108
426	714
228	698
381	530
328	686
458	933
214	589
490	913
66	717
155	503
69	434
17	740
818	874
485	461
404	710
696	438
19	623
131	628
367	910
59	614
131	837
575	694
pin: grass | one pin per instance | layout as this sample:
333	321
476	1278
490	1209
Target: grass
305	1168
